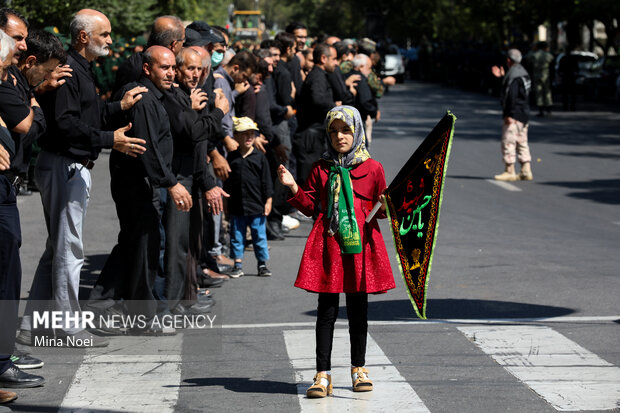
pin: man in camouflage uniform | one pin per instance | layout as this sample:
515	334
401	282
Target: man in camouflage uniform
540	63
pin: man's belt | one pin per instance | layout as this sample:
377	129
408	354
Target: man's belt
83	160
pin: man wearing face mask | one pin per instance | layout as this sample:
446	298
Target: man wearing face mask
75	116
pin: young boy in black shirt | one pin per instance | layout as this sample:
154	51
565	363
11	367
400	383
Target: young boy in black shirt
251	189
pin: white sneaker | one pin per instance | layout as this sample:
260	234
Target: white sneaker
290	222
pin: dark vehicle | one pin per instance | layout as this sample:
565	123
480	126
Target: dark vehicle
585	60
605	72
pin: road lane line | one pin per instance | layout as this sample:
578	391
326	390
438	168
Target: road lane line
563	319
505	185
391	391
566	375
143	382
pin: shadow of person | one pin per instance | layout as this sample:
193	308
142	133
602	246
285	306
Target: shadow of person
243	385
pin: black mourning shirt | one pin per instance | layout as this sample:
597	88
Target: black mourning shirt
249	184
75	114
14	108
151	123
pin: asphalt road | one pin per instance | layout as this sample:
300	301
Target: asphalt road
523	296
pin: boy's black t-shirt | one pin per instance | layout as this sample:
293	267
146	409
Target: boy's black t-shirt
249	184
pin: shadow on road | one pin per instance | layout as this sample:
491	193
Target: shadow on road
456	309
93	264
243	385
605	191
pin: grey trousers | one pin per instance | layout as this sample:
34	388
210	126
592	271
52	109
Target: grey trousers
65	191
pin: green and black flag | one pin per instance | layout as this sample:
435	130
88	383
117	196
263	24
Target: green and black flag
413	203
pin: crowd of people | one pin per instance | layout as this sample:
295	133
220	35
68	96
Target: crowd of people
197	132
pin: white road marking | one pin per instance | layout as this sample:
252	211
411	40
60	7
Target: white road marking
396	130
565	374
505	185
141	382
616	222
391	391
563	319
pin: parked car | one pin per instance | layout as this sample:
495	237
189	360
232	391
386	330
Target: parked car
393	63
585	59
604	72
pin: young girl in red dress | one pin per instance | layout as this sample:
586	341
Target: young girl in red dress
343	254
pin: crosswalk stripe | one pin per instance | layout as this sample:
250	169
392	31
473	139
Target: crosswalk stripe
505	185
391	391
142	382
565	374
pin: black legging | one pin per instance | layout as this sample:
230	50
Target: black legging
327	312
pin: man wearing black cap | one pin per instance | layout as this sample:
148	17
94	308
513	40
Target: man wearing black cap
167	31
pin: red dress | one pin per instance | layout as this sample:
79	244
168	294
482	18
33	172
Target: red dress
323	268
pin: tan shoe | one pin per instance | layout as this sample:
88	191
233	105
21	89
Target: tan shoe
507	176
322	386
7	396
361	382
526	172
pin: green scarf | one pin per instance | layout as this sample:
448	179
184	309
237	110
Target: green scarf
340	188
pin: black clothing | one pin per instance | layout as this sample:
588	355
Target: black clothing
245	104
276	110
249	184
365	100
151	123
341	91
10	269
261	115
14	108
327	312
283	81
294	67
515	92
316	99
128	71
75	114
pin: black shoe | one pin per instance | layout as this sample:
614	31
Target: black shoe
199	307
30	337
206	281
23	190
25	361
203	298
15	378
263	271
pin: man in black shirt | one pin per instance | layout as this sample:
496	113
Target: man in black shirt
315	101
131	268
18	106
188	130
10	264
72	142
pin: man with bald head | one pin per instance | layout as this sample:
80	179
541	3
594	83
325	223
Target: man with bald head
365	100
130	271
75	135
166	31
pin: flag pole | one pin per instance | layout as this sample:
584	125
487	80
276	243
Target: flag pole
373	212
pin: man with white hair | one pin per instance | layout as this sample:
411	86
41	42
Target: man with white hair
10	264
74	138
365	100
514	97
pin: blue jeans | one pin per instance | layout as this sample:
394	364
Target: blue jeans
238	224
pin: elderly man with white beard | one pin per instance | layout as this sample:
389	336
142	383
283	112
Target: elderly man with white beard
74	138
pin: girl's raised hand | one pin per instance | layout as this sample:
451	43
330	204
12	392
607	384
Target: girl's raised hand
286	178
